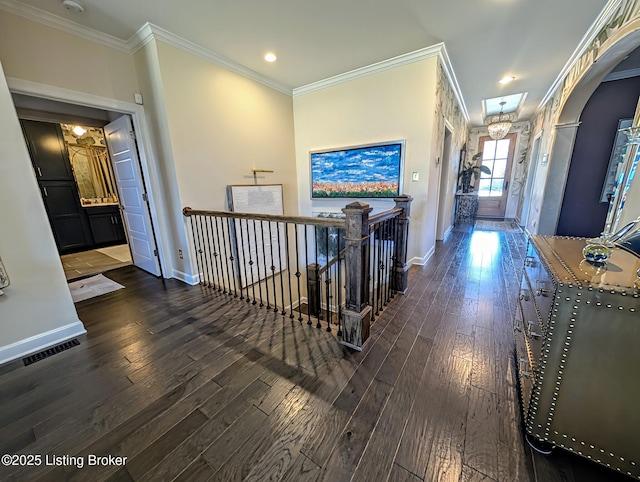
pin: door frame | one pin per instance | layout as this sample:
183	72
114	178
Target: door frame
442	230
151	176
531	176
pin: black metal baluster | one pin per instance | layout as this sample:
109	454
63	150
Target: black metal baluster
391	251
394	236
219	255
207	251
284	311
339	289
255	237
328	281
212	249
203	250
229	256
218	258
195	245
289	268
298	273
374	270
264	256
380	265
385	291
306	257
315	238
244	263
253	285
273	270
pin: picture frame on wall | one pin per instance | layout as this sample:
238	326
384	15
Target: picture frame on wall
364	171
615	160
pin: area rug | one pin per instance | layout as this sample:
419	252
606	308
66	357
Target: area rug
91	287
121	252
491	225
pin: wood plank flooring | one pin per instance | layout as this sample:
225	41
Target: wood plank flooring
189	384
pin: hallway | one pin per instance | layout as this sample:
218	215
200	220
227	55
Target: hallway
190	384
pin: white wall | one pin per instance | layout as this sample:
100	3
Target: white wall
211	127
35	52
390	105
222	126
36	310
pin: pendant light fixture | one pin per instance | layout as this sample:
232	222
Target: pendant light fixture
500	124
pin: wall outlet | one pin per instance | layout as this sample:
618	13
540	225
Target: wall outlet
180	254
415	176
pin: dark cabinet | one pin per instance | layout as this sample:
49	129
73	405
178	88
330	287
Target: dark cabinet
106	225
67	219
50	160
48	151
74	227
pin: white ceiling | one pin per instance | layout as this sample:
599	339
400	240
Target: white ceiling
486	39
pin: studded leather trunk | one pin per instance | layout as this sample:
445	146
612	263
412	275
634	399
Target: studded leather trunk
578	347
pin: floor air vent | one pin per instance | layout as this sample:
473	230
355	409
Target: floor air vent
36	357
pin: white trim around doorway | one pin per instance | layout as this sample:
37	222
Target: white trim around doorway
149	169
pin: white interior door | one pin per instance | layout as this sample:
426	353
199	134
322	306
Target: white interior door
135	212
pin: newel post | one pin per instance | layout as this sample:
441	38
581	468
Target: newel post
357	313
313	289
400	267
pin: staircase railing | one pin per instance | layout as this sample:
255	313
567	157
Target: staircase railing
336	273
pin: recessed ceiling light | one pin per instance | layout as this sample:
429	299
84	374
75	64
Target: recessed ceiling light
73	6
270	57
506	80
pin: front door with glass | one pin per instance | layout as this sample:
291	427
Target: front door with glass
493	189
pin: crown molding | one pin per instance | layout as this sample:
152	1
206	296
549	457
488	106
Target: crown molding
448	70
49	19
584	44
378	67
150	31
138	40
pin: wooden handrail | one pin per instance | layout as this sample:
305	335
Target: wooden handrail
323	222
383	216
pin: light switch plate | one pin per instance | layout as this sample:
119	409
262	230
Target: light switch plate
137	98
415	176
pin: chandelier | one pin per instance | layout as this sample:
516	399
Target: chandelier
500	124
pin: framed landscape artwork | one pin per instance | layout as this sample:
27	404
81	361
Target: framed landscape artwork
369	171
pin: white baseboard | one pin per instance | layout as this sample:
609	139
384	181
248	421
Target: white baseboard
447	233
425	259
40	342
186	278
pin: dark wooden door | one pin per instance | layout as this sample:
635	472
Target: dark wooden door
48	151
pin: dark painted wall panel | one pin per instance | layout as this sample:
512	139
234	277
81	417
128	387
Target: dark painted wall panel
582	212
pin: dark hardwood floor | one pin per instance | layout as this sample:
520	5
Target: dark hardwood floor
189	384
